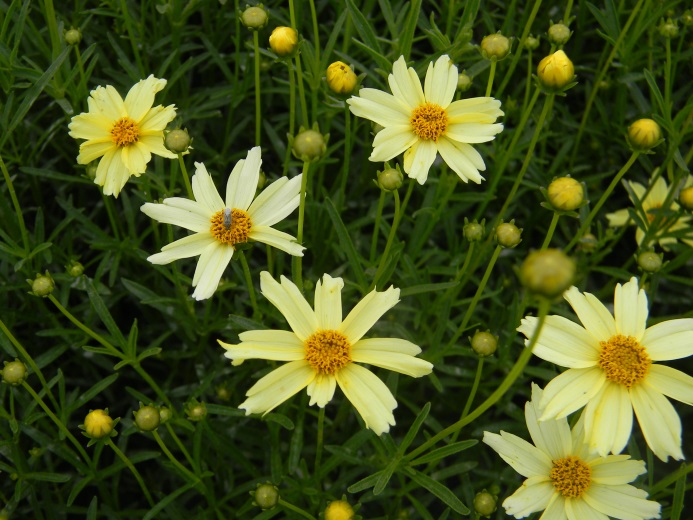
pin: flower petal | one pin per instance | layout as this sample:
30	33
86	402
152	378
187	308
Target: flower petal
112	173
618	218
186	247
460	158
156	120
276	202
392	141
277	386
570	391
290	302
671	382
380	107
551	437
672	339
630	309
186	214
275	345
210	267
367	312
155	144
561	342
369	395
107	101
609	419
527	460
534	495
478	109
626	502
321	389
141	97
242	183
615	470
400	346
405	84
594	316
204	190
395	361
278	239
580	510
92	150
419	159
93	126
660	424
328	302
473	132
441	81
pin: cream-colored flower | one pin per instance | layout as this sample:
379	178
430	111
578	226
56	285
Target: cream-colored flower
612	370
565	479
323	349
124	133
424	122
220	225
651	204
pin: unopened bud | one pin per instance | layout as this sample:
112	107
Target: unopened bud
42	285
309	145
566	194
74	268
559	34
531	42
266	496
341	78
390	179
508	234
464	82
339	510
73	36
687	18
254	18
668	29
484	343
283	41
14	372
548	272
495	47
98	424
556	71
644	134
147	418
686	198
195	410
485	503
177	141
588	243
649	261
165	415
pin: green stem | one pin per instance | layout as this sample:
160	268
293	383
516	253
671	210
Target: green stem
390	240
180	445
667	481
194	479
318	447
316	61
586	224
258	120
376	226
132	469
472	394
452	12
346	157
108	204
292	114
249	283
667	79
552	228
152	384
131	34
302	92
295	509
512	376
491	75
17	207
186	178
297	261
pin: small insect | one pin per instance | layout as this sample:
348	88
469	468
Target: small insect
227	218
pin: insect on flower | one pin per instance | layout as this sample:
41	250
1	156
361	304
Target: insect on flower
227	218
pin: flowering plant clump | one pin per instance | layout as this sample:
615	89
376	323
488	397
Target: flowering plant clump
333	247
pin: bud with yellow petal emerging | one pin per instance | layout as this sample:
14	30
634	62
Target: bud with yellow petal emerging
566	194
339	510
644	134
98	424
341	78
556	71
283	41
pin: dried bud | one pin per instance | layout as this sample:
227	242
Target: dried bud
485	503
98	424
547	273
178	140
341	78
266	496
644	134
556	71
566	194
283	41
508	234
484	343
339	510
147	418
73	36
649	261
390	179
559	34
495	47
254	18
14	373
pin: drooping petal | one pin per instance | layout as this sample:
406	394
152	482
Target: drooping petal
570	391
278	239
275	345
395	361
672	339
551	437
441	81
660	424
622	501
290	302
192	245
277	386
276	201
562	342
210	268
594	316
457	156
242	183
609	419
405	84
175	211
671	382
616	470
419	159
114	173
527	460
141	97
321	389
380	107
369	395
204	190
328	302
367	312
534	495
392	141
630	309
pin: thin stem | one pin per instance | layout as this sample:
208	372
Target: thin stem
258	120
249	283
586	224
512	376
108	204
318	447
568	8
346	157
180	445
491	75
390	240
152	384
295	509
186	178
472	393
316	72
667	78
376	226
552	228
185	471
292	114
17	207
297	261
452	12
131	34
302	92
132	468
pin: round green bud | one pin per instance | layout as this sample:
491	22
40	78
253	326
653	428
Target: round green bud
547	273
473	231
74	268
309	145
390	179
165	414
266	496
339	510
177	141
73	36
464	82
98	424
687	18
261	180
196	411
484	343
14	373
531	42
566	194
495	47
42	285
686	198
91	169
485	503
147	418
559	34
508	234
668	29
254	18
644	134
588	243
649	261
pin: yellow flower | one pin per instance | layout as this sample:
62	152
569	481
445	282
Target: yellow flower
556	70
98	424
339	510
565	479
422	122
124	133
566	194
612	370
652	204
283	41
323	351
220	225
643	134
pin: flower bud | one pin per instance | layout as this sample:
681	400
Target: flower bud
390	179
668	29
508	234
339	510
547	273
177	141
556	71
42	285
195	410
98	424
559	34
588	243
266	496
531	42
261	180
495	47
283	41
485	503
341	78
165	415
254	18
147	418
73	36
14	373
309	145
644	134
74	268
473	231
464	82
686	198
687	18
566	194
649	261
484	343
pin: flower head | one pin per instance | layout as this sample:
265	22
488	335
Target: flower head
612	370
565	479
652	203
323	351
422	122
220	225
644	134
98	424
341	78
556	71
124	133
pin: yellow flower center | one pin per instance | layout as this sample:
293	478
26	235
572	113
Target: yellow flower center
231	227
125	132
327	351
429	121
624	360
571	476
